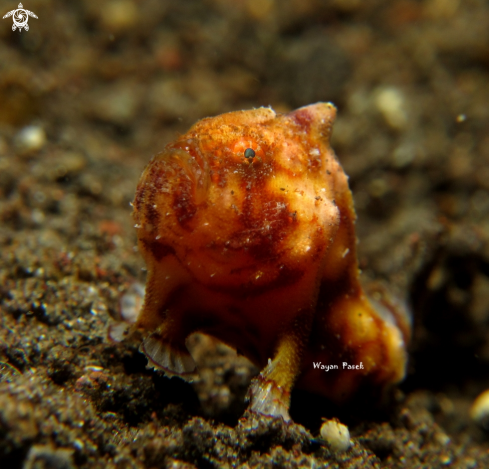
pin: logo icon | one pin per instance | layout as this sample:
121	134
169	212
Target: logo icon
21	16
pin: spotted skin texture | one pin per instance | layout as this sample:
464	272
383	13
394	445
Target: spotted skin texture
260	252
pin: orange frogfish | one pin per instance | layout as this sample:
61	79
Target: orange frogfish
247	227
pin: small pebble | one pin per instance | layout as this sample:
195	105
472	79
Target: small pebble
30	139
44	456
336	435
120	15
391	104
479	411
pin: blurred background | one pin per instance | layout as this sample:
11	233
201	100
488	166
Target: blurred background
93	89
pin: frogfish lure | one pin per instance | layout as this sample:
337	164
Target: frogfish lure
247	227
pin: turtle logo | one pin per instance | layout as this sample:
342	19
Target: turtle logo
20	18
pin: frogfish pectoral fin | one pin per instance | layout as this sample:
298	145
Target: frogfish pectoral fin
172	360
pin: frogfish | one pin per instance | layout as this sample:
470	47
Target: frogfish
247	227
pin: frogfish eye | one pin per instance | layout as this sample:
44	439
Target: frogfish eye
249	153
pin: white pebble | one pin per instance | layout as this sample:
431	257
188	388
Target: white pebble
479	411
336	435
30	139
391	104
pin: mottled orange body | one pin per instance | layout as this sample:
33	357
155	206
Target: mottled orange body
259	252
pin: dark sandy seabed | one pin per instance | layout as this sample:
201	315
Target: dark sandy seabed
104	86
